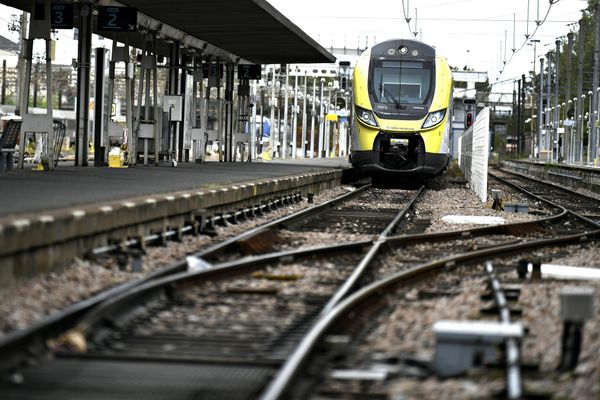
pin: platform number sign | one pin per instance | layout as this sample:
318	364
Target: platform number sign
249	71
61	16
117	19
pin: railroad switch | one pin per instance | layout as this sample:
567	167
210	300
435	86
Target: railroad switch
577	305
462	345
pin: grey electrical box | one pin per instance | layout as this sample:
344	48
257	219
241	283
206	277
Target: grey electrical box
172	104
461	345
577	303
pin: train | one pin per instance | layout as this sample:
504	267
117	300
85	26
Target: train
402	92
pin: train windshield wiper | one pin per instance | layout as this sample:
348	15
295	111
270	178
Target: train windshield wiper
389	97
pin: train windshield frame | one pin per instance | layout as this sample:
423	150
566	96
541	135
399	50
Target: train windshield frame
400	82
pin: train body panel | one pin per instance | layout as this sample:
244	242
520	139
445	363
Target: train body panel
403	100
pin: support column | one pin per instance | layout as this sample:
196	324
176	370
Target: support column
321	120
568	129
99	150
595	83
305	100
24	93
294	116
157	126
556	102
284	145
173	89
183	154
3	81
312	118
548	109
83	84
229	149
541	109
272	128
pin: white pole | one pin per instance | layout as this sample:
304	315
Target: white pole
303	154
285	115
321	121
295	115
252	129
312	119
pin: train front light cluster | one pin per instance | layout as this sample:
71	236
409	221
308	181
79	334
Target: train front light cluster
366	116
434	118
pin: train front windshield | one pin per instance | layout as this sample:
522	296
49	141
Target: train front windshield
401	82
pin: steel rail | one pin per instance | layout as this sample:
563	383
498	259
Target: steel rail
514	385
364	264
123	302
303	214
580	217
285	376
36	335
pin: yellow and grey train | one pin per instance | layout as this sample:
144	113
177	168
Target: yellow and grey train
402	105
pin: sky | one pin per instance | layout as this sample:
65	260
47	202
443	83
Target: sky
467	32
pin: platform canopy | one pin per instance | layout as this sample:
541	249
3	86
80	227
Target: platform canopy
252	30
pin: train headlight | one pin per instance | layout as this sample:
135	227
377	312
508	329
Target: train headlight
434	118
366	116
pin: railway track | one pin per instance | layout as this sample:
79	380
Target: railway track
412	275
233	314
243	314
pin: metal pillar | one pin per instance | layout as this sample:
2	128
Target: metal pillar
183	154
272	129
229	112
312	118
129	76
321	121
99	112
284	146
3	81
518	124
556	102
83	84
26	57
541	109
568	129
548	109
157	127
173	90
252	129
595	83
305	100
327	136
294	116
579	114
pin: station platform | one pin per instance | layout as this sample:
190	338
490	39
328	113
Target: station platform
26	191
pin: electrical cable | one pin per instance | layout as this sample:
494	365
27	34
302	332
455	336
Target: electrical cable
540	23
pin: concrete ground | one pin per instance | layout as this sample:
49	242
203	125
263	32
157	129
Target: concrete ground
27	191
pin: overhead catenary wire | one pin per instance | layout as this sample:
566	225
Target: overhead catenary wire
538	24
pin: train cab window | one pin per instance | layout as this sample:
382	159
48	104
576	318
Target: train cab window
403	82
